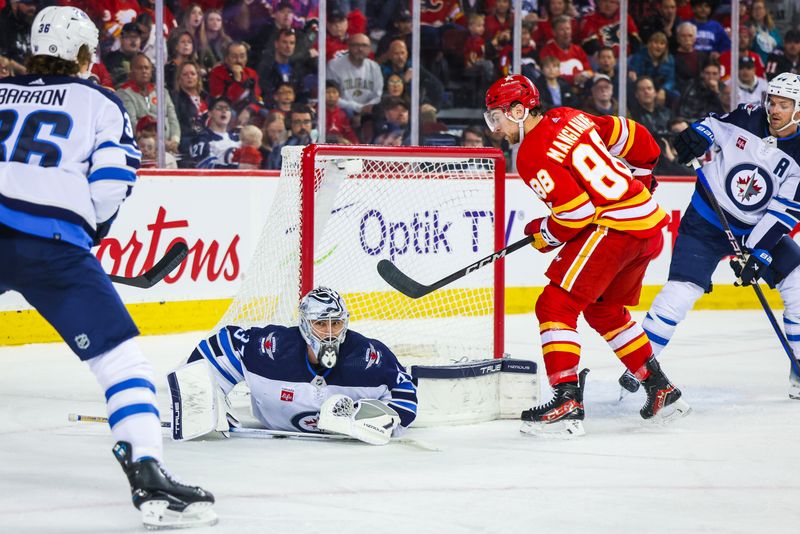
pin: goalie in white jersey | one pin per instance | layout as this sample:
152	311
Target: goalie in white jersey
315	376
67	162
754	174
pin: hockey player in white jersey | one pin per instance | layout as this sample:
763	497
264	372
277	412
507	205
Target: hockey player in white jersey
318	376
67	162
754	174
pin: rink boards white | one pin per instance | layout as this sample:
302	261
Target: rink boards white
220	215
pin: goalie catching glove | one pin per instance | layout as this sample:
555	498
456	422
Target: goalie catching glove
367	420
543	241
750	267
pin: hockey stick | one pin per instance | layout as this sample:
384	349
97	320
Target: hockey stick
165	265
737	250
263	433
411	288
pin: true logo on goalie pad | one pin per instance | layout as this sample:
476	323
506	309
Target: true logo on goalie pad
373	357
268	346
287	395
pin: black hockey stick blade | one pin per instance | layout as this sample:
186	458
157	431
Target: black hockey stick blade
165	265
411	288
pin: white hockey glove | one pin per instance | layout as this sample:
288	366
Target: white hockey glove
367	420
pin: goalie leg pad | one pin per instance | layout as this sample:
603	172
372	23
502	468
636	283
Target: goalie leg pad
198	404
367	420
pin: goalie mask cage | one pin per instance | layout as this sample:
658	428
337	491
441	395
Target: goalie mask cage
338	210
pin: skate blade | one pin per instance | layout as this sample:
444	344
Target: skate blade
565	429
156	516
671	413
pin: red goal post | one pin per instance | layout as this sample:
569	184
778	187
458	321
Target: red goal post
340	209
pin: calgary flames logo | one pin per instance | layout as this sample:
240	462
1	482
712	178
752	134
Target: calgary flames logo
749	187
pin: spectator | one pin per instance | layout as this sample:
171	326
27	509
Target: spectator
664	20
788	59
499	24
235	81
647	111
655	61
181	50
336	39
395	86
394	110
745	42
472	136
751	88
703	96
217	40
601	100
389	135
338	128
213	148
252	22
248	155
148	8
667	166
575	68
553	9
284	98
767	37
398	63
476	64
505	56
117	13
401	24
190	106
607	64
284	20
274	131
5	67
711	36
359	77
688	60
601	28
118	62
15	32
148	145
301	121
278	68
554	91
139	97
147	36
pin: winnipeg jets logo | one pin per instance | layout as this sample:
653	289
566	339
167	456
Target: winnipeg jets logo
372	357
268	346
749	187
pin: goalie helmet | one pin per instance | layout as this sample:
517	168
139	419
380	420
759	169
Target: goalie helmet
503	94
61	31
786	85
321	307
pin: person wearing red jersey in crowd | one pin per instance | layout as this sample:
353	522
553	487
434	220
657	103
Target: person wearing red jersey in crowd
115	14
745	45
594	173
601	28
543	34
235	81
575	67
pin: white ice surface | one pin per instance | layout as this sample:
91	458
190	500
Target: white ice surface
730	467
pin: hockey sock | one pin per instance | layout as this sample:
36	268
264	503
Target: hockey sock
625	337
669	308
128	380
557	311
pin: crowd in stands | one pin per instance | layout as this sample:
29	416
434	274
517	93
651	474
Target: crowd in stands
241	75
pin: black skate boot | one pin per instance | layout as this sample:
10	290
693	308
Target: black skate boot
664	402
562	416
164	502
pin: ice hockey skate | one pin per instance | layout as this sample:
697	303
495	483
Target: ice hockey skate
164	502
561	417
664	403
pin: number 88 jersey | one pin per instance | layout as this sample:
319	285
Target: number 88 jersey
589	170
67	157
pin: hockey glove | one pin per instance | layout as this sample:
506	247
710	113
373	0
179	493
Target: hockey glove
693	142
751	267
543	241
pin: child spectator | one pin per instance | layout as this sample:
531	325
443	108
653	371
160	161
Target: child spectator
505	57
711	36
147	144
248	155
301	121
476	64
554	91
575	67
338	128
767	37
283	98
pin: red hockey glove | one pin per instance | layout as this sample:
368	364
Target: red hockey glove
649	181
543	241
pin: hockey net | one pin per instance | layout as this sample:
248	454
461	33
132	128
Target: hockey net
338	210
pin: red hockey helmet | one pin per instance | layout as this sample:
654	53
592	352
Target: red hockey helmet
507	91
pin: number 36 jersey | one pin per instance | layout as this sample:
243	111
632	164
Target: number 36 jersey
67	157
589	170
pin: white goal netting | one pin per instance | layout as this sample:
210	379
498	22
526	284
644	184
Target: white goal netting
430	213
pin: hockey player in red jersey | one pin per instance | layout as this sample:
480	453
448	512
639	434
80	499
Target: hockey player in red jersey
595	175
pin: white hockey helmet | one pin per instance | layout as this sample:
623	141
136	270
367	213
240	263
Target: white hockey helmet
323	304
61	31
786	85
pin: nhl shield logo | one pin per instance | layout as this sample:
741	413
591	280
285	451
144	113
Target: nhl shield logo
749	186
372	357
268	346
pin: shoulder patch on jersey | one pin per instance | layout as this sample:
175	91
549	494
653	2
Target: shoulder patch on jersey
287	395
372	357
268	345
